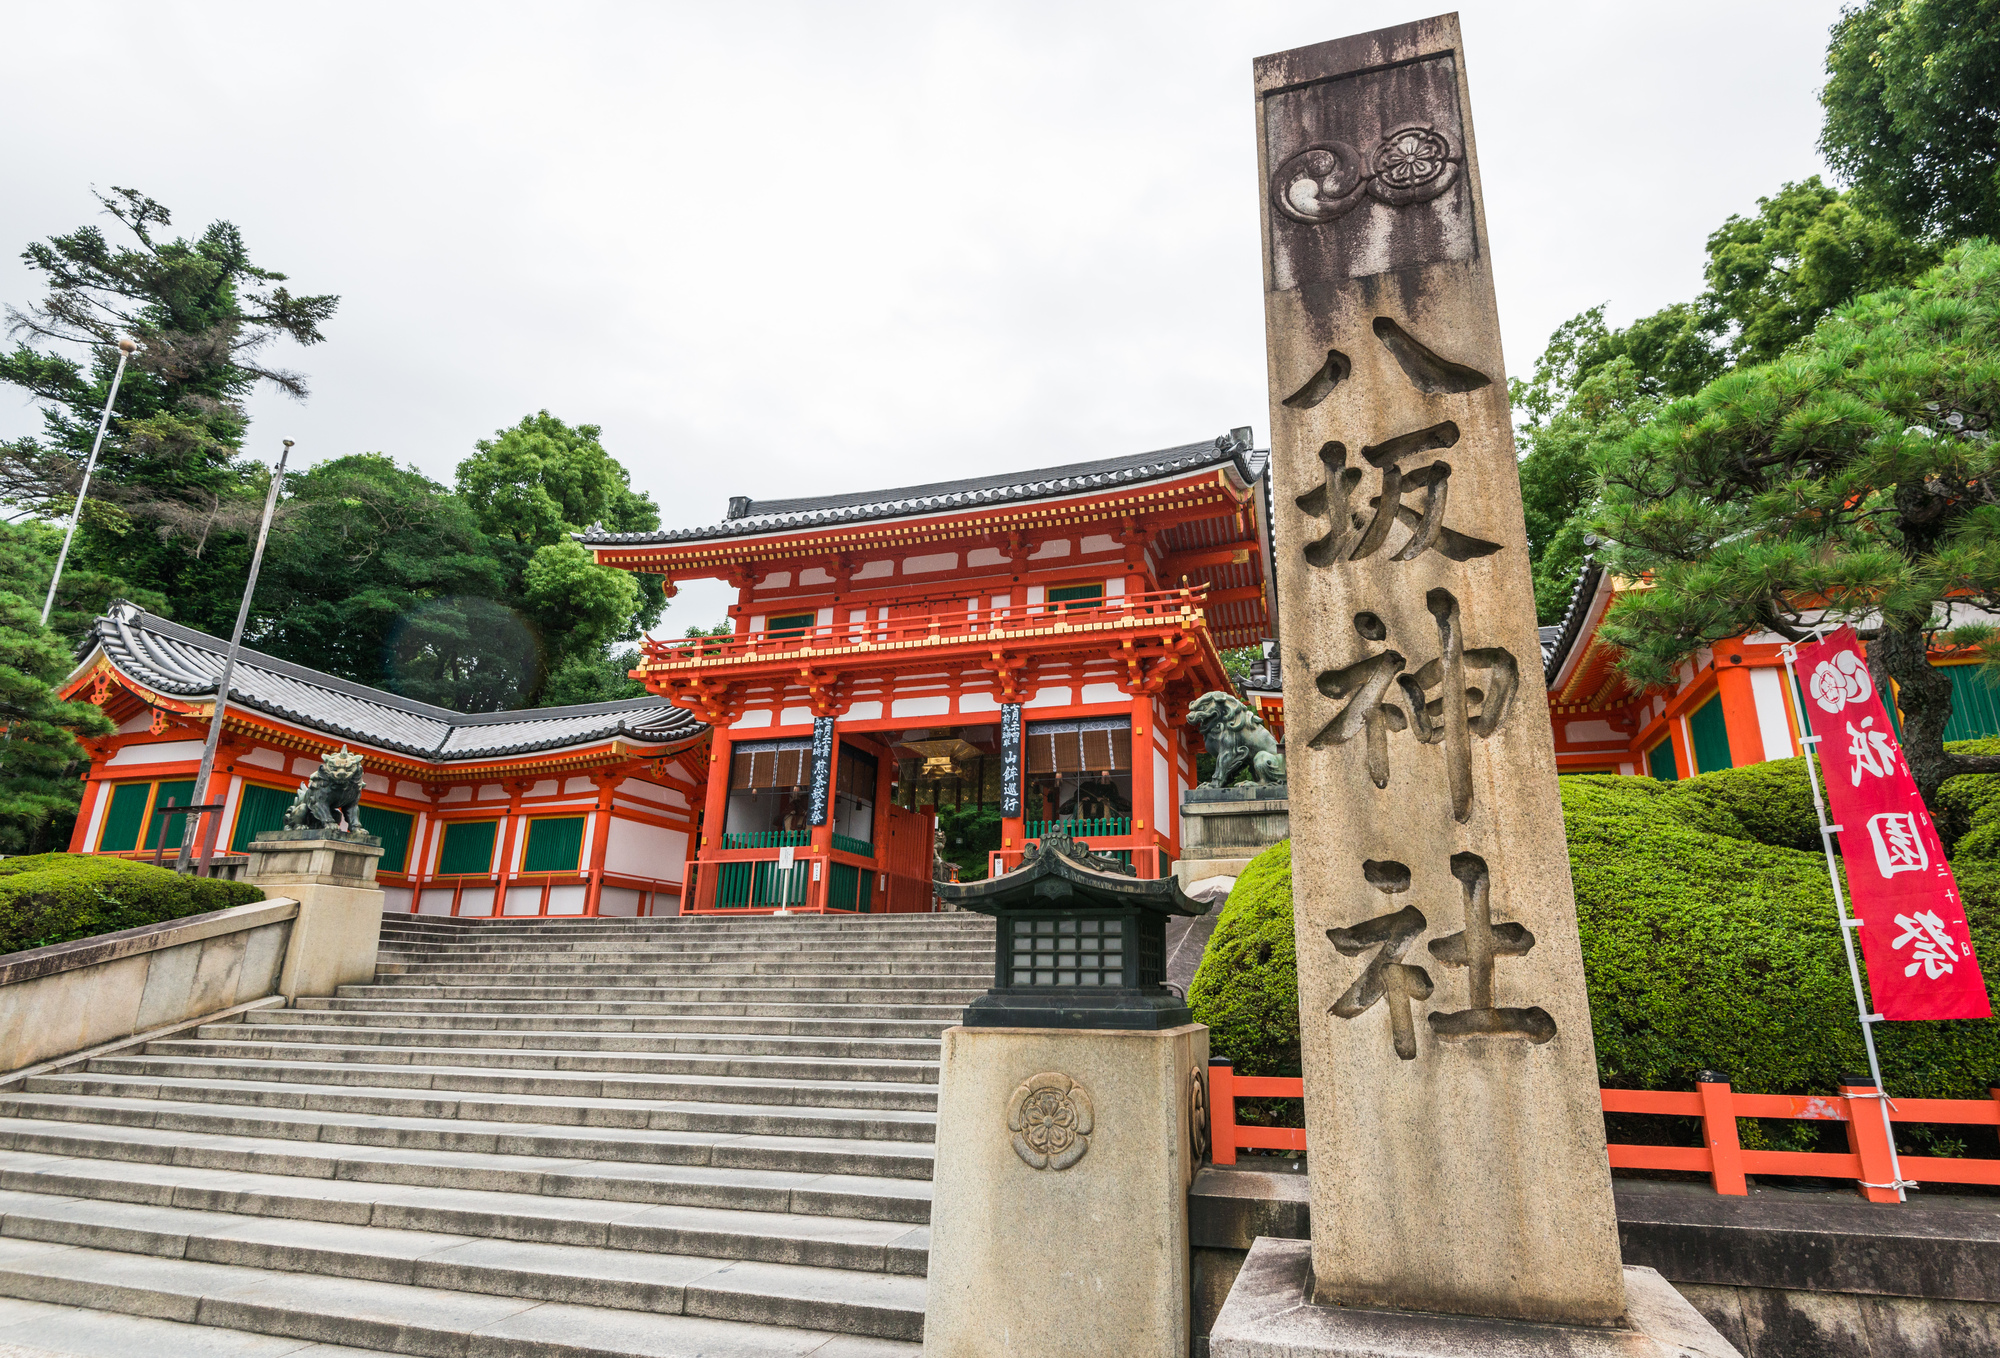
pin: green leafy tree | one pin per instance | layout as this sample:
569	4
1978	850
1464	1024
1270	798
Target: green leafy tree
1856	473
530	488
41	763
1771	278
1912	104
172	502
27	559
364	551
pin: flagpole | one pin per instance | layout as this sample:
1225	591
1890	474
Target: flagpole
229	658
125	348
1807	740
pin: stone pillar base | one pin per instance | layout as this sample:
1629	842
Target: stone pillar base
339	928
1059	1209
1268	1315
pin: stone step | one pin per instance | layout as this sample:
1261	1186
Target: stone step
856	1196
709	1232
831	1046
36	1329
727	1149
881	1071
740	993
677	1115
394	1001
549	1084
394	1317
801	971
880	1304
969	948
420	1016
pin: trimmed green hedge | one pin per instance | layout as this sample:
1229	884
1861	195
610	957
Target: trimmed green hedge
56	897
1709	941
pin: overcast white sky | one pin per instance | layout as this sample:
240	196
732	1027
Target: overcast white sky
789	249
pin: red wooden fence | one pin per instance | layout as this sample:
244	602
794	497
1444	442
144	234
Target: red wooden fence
1722	1157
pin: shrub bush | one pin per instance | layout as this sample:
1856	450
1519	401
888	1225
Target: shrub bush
56	897
1709	941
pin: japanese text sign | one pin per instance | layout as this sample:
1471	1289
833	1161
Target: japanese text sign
1913	931
822	769
1010	759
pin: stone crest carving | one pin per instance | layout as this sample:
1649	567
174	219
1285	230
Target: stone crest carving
1051	1119
1328	179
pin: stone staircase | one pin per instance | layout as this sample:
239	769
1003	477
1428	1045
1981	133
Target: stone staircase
526	1139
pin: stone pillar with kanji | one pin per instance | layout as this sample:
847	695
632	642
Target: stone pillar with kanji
1455	1138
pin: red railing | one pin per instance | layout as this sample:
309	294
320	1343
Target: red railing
966	624
1868	1159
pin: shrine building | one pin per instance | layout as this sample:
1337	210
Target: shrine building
1731	704
548	811
1029	642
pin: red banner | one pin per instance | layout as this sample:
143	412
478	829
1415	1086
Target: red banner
1913	932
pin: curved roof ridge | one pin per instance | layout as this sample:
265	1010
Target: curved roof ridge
172	658
748	516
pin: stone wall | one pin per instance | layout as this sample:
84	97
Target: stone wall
71	996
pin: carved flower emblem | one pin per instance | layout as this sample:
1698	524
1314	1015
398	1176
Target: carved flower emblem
1412	164
1051	1119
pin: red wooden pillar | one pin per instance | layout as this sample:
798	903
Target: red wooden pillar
1221	1110
600	836
1868	1137
506	860
1677	736
1718	1129
715	812
1142	781
1739	705
885	778
93	792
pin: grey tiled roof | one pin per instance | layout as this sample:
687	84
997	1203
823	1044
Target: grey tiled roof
748	517
170	658
1557	640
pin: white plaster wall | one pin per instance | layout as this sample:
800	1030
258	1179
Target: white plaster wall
1054	547
978	702
413	791
871	711
759	717
1057	696
374	782
935	705
159	752
1103	693
775	580
875	570
636	850
264	759
985	556
1163	788
796	716
1584	732
1767	686
568	900
1099	542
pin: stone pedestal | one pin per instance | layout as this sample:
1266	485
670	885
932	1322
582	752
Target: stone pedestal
1222	829
1270	1314
339	928
1059	1210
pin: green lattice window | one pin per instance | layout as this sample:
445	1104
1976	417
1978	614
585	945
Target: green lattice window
260	808
1077	596
180	794
1711	737
1975	703
790	625
124	816
393	829
468	848
1660	762
555	844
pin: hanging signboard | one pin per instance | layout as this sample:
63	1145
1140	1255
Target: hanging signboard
820	795
1912	924
1010	760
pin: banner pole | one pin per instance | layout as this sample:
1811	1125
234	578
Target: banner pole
1807	740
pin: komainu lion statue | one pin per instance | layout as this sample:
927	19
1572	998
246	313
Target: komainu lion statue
1237	739
331	798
